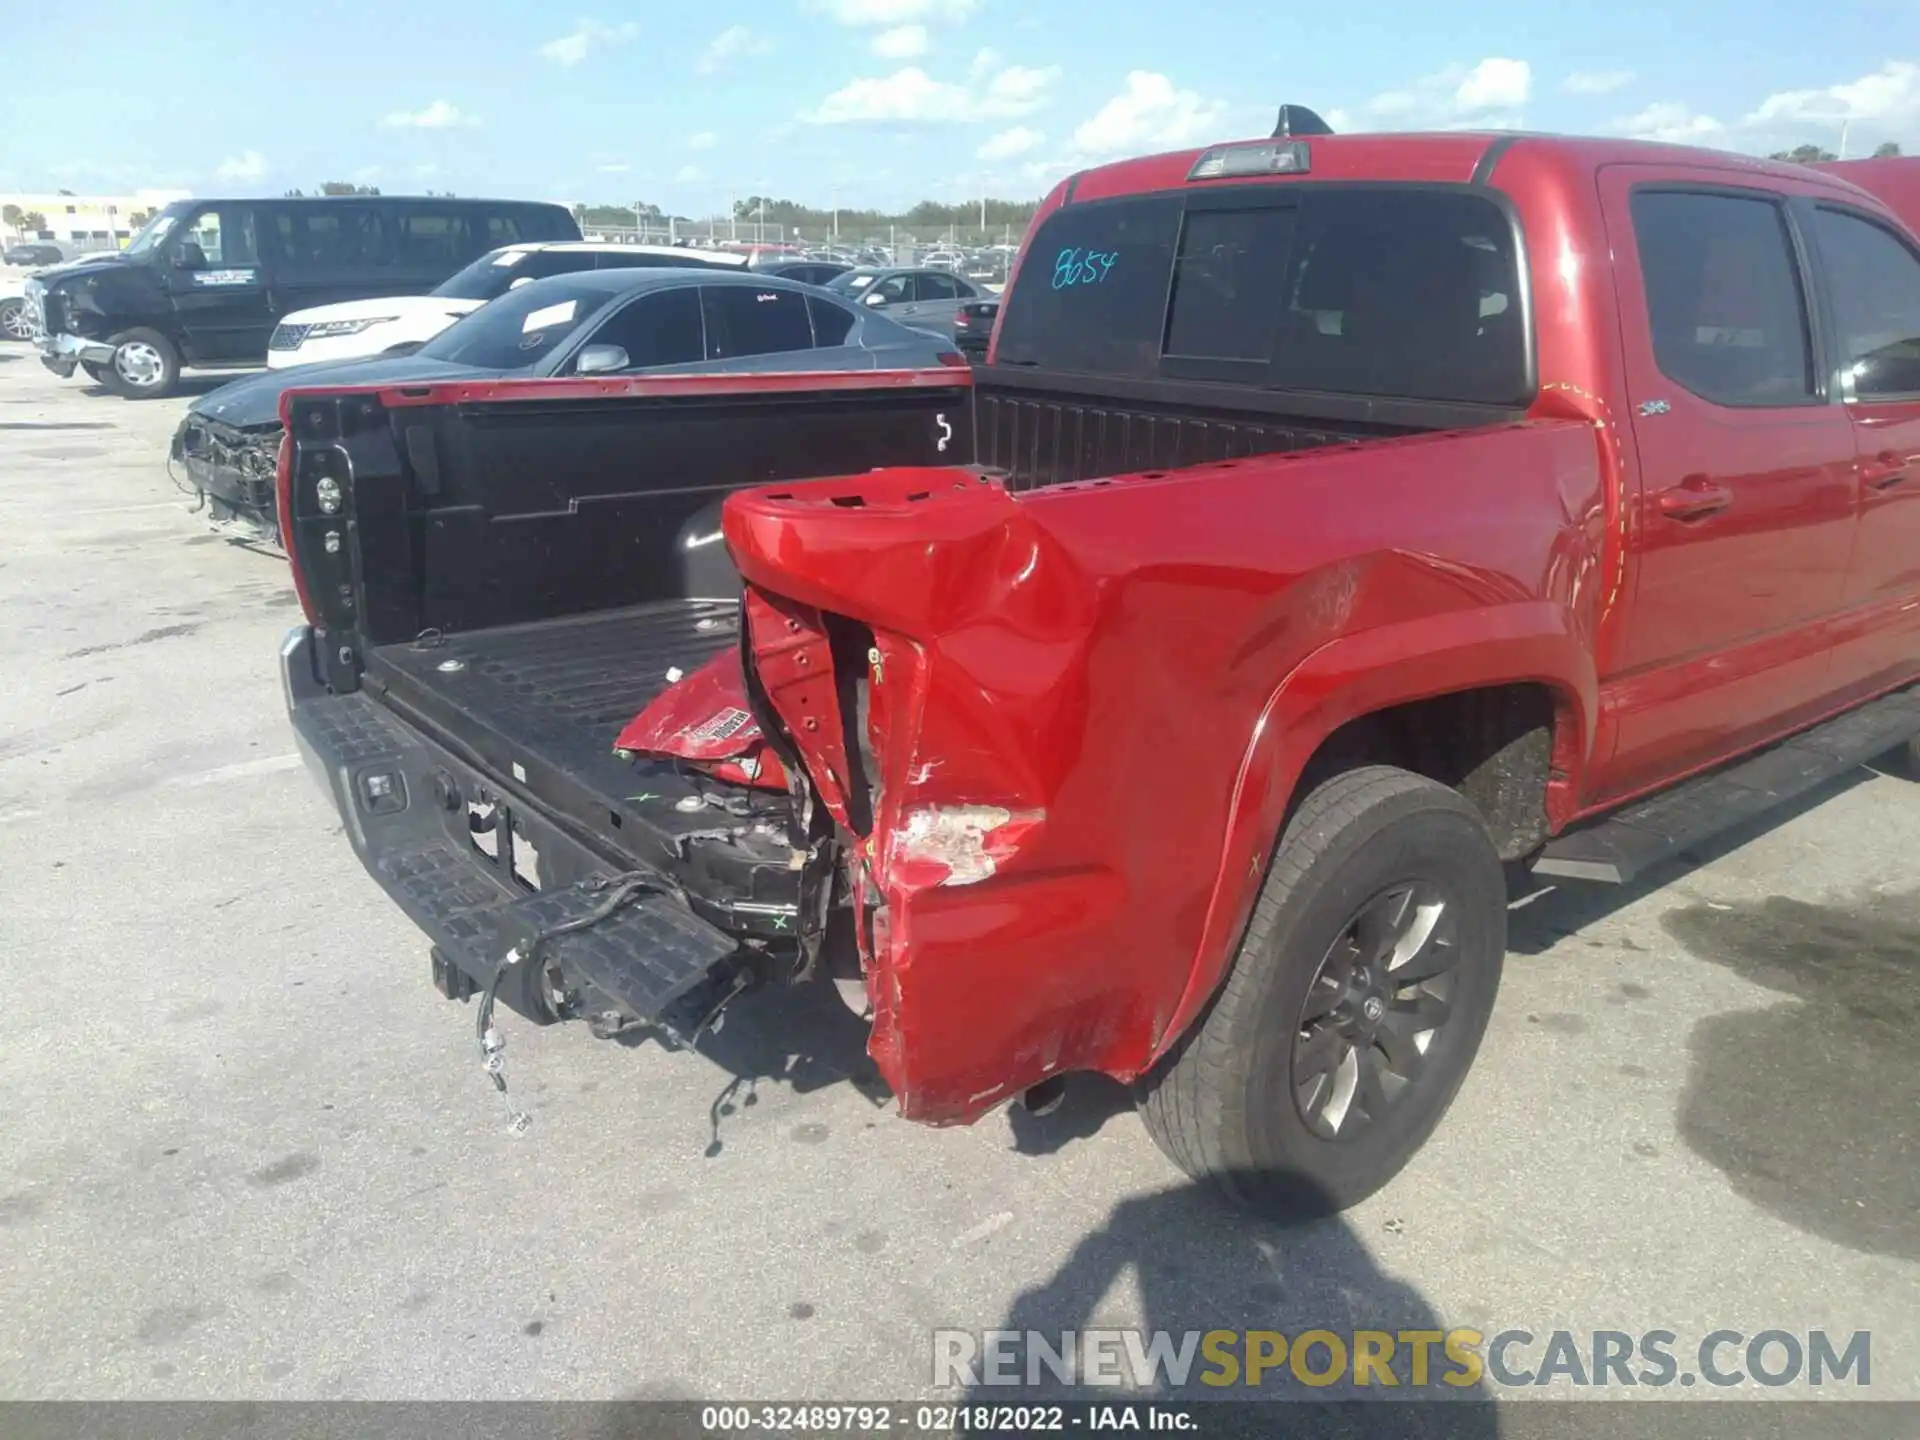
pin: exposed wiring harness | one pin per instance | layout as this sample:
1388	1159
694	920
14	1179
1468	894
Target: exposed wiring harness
621	890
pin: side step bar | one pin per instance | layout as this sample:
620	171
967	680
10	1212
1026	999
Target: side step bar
1628	842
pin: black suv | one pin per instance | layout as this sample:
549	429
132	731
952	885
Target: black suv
33	253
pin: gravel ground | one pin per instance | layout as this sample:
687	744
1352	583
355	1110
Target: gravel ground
248	1152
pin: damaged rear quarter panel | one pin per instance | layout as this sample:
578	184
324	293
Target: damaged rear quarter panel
1108	664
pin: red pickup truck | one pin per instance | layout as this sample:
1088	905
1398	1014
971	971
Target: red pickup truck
1337	519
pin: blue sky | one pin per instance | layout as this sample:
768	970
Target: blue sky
883	102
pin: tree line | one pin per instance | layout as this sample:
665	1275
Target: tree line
927	216
1814	155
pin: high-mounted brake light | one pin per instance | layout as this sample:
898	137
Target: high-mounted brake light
1265	157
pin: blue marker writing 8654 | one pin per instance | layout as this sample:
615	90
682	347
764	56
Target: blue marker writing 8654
1074	266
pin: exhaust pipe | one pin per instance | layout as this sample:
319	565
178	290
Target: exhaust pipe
1046	1097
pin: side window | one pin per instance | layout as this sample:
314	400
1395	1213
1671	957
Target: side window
1723	297
1227	276
936	287
504	230
329	239
1875	281
747	320
218	238
892	290
658	329
433	239
830	322
539	264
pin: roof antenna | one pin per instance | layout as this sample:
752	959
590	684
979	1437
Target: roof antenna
1299	120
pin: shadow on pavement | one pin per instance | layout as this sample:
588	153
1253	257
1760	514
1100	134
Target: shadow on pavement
1200	1265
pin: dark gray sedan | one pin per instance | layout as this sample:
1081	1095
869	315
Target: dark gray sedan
924	299
601	322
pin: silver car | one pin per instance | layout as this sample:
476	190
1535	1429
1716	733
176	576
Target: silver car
923	298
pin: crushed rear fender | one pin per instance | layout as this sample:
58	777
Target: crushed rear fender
1047	721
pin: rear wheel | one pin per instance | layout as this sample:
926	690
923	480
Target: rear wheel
145	365
1354	1008
14	324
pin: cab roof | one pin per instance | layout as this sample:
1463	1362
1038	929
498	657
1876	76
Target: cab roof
1446	156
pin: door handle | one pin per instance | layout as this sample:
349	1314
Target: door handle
1886	470
1693	498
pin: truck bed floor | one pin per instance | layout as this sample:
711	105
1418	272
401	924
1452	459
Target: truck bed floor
540	704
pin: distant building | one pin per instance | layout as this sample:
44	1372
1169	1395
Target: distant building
81	222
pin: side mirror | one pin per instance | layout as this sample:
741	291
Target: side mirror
523	280
873	297
600	360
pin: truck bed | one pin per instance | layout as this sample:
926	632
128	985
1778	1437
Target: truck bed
542	703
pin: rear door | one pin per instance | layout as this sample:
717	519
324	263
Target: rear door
751	328
218	285
936	300
1872	276
1744	519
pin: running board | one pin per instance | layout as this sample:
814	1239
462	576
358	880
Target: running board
1628	842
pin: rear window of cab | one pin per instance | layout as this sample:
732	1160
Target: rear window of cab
1404	292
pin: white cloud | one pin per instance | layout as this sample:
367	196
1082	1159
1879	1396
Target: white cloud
619	168
366	174
1596	82
702	140
987	61
903	42
896	12
1149	114
1009	143
440	115
911	94
736	42
1889	96
572	48
687	174
1673	123
247	165
1485	95
1495	84
1019	90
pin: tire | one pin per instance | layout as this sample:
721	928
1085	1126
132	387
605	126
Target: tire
13	321
1228	1104
145	365
96	373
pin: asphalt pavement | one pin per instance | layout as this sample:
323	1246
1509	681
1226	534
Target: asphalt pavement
247	1151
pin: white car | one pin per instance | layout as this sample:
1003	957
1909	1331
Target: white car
15	323
399	325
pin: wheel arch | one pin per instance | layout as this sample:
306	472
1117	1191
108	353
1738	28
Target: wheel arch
1334	709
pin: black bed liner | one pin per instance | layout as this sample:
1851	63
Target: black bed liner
541	704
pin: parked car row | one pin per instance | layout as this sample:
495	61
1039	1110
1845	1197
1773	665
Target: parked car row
205	282
232	283
1337	522
624	319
